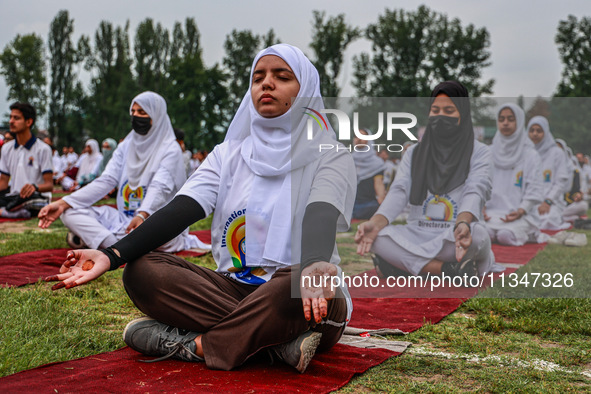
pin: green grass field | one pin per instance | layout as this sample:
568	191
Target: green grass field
487	345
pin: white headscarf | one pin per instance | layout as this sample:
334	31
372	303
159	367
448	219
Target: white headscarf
508	150
573	163
547	142
284	162
146	152
90	162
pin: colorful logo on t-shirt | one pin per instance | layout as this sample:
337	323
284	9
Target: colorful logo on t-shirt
234	238
548	176
519	179
440	208
132	199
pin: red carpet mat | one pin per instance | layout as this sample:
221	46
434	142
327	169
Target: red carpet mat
516	255
25	268
385	307
119	371
2	220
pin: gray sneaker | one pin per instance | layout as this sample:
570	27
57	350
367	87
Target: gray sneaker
74	241
152	338
299	352
467	268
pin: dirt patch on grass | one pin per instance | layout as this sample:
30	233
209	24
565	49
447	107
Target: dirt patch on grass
431	379
551	345
13	227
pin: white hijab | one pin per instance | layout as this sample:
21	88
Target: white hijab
548	141
572	162
89	163
284	162
146	153
507	151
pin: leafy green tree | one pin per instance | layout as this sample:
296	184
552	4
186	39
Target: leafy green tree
112	85
152	47
186	75
241	48
574	46
270	39
414	50
22	63
331	38
66	95
196	95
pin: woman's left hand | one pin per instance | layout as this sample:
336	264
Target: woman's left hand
463	239
135	223
316	289
513	216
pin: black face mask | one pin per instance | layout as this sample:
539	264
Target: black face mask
141	125
444	126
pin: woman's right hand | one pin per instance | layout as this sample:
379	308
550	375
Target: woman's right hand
81	266
49	213
366	234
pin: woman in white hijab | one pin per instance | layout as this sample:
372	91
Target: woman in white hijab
575	197
87	167
146	168
277	202
511	213
446	178
555	174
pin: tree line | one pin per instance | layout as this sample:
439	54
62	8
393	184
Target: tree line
410	52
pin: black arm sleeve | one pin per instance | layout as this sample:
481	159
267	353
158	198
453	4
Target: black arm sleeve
319	232
159	228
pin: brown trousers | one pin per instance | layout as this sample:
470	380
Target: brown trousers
237	319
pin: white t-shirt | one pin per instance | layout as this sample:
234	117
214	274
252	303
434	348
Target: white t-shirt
26	164
225	168
518	187
148	198
438	213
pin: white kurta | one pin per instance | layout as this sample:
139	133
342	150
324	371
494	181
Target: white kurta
430	225
514	188
147	198
556	181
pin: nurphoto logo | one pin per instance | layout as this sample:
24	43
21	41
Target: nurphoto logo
344	129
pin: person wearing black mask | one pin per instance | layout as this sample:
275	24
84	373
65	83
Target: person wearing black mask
446	178
146	168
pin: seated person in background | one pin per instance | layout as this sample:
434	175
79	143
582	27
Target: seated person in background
26	164
556	176
576	205
87	167
196	160
446	177
511	214
277	202
147	169
72	157
180	138
107	148
56	159
370	178
389	170
585	174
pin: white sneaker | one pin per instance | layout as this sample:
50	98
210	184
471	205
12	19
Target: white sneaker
576	239
559	238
